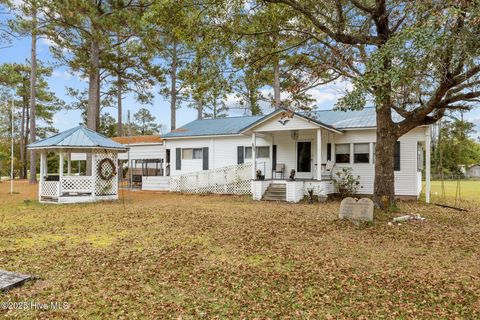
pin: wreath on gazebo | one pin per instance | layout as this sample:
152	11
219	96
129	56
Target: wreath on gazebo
106	169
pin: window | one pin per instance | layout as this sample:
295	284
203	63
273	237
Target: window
361	153
262	152
342	153
188	154
396	157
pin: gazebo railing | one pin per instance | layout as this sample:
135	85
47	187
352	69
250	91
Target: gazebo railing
66	184
50	188
76	184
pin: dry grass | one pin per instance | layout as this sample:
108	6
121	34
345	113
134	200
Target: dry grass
169	255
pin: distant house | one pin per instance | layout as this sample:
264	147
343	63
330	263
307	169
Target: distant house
473	171
224	155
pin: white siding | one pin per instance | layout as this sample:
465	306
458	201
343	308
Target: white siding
144	151
222	152
137	151
156	183
406	180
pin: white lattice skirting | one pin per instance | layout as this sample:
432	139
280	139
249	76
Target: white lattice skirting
49	188
110	186
226	180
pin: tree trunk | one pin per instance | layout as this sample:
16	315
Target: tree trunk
199	101
93	109
23	164
33	107
276	83
199	109
173	89
384	185
119	106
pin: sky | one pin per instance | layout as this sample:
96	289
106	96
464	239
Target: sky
62	77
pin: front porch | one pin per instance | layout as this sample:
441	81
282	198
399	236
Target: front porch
296	146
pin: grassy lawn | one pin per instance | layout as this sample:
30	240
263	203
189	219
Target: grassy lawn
161	255
469	191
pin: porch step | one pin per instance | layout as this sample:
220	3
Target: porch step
276	192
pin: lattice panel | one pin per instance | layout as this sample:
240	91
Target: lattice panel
226	180
110	186
49	188
76	184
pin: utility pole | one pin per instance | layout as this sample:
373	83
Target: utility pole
11	153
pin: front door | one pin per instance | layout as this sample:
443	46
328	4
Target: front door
304	159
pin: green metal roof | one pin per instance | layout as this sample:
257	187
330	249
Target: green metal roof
213	127
79	138
336	119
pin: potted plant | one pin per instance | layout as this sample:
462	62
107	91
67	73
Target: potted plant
292	175
260	176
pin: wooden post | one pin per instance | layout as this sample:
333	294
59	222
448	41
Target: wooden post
254	156
427	165
319	154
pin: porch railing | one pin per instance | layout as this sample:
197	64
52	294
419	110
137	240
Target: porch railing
226	180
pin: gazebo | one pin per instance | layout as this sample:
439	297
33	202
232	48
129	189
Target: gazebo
94	180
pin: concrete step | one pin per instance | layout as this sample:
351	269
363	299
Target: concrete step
274	198
277	188
275	192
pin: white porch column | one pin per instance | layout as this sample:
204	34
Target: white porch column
254	156
60	167
319	154
94	171
332	153
427	165
42	174
69	163
60	173
272	142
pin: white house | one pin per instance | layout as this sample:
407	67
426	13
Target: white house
222	155
473	171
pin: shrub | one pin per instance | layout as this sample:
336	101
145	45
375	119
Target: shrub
347	184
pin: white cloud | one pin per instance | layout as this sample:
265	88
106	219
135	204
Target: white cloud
48	42
65	75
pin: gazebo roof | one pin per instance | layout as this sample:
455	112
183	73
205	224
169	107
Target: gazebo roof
77	138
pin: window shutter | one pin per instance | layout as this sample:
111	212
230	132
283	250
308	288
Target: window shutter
178	159
396	160
205	158
329	151
274	157
240	156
